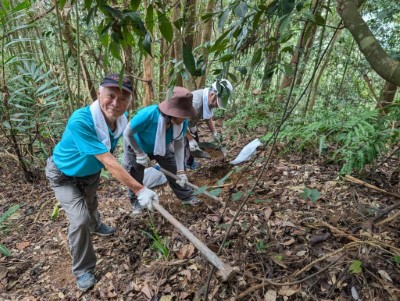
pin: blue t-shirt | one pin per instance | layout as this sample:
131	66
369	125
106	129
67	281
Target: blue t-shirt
75	154
144	124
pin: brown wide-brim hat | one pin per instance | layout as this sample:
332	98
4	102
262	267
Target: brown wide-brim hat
179	104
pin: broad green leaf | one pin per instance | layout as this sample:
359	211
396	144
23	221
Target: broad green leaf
115	51
108	10
396	259
215	192
200	190
308	15
256	20
226	58
150	18
135	4
61	3
165	27
288	69
355	267
10	211
256	58
237	196
188	59
242	70
311	194
146	43
137	23
241	9
222	181
284	23
4	250
55	213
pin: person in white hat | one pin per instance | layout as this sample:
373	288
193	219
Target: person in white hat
204	103
150	134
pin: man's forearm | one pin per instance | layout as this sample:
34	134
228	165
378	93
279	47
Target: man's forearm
118	172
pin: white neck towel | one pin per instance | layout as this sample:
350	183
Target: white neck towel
207	112
159	144
101	126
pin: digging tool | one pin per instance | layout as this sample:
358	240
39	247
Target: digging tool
214	146
198	153
225	269
170	174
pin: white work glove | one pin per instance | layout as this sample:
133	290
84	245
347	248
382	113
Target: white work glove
193	146
182	180
143	159
146	196
217	137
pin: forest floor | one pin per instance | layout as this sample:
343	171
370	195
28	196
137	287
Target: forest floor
282	246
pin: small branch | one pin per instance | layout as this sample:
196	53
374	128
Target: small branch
358	181
337	231
389	219
267	281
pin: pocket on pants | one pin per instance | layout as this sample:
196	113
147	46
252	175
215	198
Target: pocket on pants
53	174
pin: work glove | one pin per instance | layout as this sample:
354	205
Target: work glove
193	146
182	180
143	159
146	196
217	137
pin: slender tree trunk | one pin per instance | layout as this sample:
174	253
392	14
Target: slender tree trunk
206	37
177	50
148	79
314	87
67	31
386	97
190	16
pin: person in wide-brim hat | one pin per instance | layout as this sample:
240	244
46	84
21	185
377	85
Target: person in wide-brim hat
179	104
152	134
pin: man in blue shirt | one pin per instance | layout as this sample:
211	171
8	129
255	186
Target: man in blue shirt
73	171
151	134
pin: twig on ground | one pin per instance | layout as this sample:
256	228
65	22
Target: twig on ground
389	219
358	181
337	231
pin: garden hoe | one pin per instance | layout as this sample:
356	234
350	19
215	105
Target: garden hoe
226	270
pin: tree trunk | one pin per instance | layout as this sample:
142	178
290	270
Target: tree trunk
148	79
380	61
386	97
206	37
190	16
177	49
314	87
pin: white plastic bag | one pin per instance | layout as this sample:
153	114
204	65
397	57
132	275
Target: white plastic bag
247	151
153	177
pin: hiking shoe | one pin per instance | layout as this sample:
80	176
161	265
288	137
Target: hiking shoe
192	166
136	208
104	230
86	281
193	201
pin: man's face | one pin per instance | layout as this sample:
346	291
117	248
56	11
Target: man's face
177	120
212	100
113	101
